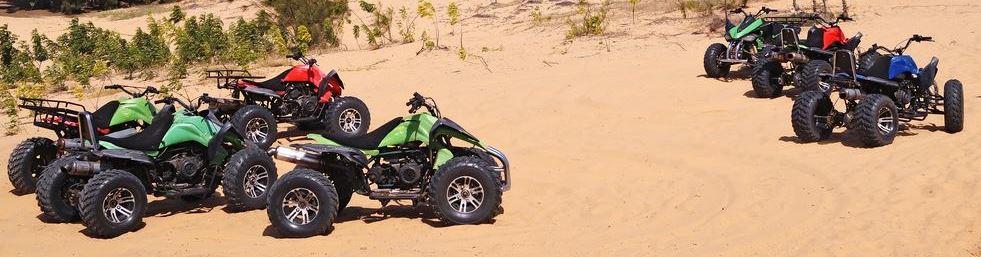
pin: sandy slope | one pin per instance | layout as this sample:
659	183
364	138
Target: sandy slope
621	147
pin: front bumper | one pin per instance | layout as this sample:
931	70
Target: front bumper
504	168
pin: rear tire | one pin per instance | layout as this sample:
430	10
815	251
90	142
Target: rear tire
953	106
766	78
876	120
27	162
347	117
713	68
58	192
246	180
257	124
807	105
810	76
290	199
125	196
460	183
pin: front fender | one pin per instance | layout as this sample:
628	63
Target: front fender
447	127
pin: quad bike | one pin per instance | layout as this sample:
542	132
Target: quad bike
184	154
118	117
303	95
876	100
408	158
745	40
798	63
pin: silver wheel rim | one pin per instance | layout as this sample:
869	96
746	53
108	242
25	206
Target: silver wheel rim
465	194
256	180
350	120
118	205
886	122
301	206
257	129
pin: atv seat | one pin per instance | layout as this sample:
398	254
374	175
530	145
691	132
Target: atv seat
275	83
372	139
148	139
102	116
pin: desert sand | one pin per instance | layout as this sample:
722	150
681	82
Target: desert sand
619	147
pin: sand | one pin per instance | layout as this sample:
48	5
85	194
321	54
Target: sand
620	147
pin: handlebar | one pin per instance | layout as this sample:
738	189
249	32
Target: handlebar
298	56
417	101
146	90
919	38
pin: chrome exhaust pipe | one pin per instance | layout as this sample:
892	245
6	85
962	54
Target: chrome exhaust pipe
294	155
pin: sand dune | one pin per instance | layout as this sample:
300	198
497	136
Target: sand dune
620	147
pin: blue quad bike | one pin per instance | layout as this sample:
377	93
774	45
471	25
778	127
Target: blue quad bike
890	89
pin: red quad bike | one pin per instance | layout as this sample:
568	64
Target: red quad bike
303	95
801	63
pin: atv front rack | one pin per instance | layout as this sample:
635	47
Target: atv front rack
225	78
60	116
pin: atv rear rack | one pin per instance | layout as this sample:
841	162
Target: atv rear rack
789	20
60	116
226	77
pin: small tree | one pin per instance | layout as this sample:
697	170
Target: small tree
427	10
633	10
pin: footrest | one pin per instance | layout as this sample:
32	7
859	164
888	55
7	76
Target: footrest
395	194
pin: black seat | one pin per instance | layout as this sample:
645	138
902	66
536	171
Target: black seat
275	83
371	139
102	116
148	139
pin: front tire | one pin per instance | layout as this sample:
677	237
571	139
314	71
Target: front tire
257	124
766	78
953	106
113	203
876	121
808	126
714	68
810	76
27	162
247	177
346	117
465	190
303	203
58	192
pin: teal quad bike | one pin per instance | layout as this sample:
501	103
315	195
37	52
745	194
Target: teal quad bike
182	154
408	158
117	118
745	40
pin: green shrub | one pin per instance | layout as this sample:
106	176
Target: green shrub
407	26
311	14
591	22
247	42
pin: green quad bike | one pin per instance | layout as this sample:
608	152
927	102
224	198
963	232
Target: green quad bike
745	40
800	63
116	118
184	154
408	158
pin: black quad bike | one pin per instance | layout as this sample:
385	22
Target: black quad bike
744	40
408	158
115	118
877	99
184	154
303	95
800	63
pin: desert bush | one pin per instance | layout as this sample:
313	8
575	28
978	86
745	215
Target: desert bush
247	42
380	25
425	9
407	26
538	18
590	22
176	14
311	14
77	6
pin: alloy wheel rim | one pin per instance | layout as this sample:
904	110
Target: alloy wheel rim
257	129
301	206
256	180
118	205
350	120
886	122
465	194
